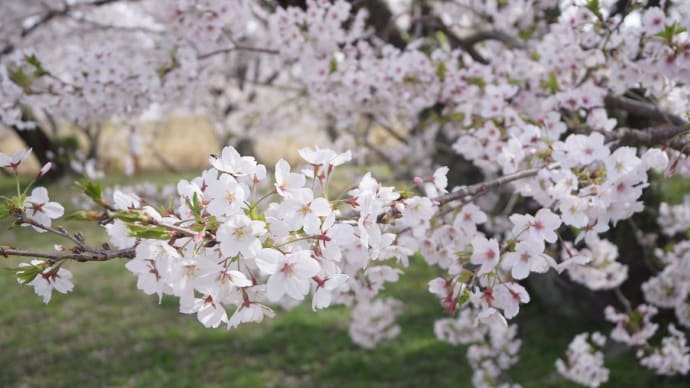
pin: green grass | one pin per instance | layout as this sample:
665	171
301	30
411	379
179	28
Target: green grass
107	333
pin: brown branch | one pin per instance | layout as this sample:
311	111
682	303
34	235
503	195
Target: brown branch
100	255
469	42
470	191
22	219
643	109
650	136
179	230
497	35
238	48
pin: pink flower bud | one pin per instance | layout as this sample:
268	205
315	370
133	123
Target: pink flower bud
417	180
44	170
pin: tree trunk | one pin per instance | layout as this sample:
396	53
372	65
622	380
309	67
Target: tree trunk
42	147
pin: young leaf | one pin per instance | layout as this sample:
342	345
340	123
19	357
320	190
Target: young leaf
148	231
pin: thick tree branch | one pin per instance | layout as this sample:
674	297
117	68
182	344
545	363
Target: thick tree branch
500	36
468	43
643	109
654	135
670	136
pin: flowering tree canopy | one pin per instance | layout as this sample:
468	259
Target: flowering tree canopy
567	109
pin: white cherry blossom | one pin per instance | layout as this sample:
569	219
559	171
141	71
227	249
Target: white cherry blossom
41	209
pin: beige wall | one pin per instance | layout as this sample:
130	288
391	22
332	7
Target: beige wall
184	141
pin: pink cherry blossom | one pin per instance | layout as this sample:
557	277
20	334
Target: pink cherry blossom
485	253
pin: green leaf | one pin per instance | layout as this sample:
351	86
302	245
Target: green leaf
4	210
593	5
551	84
148	231
253	213
442	40
131	216
476	81
83	215
32	60
19	77
332	66
27	274
92	189
465	276
527	32
464	297
670	30
195	207
635	321
456	116
441	70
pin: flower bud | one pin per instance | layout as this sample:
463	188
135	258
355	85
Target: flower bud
44	170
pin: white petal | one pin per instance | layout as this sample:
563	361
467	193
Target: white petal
276	287
307	267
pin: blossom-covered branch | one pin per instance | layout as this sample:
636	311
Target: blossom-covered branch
532	93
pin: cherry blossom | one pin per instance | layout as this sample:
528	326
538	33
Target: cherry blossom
15	160
239	234
540	227
233	163
528	257
634	328
290	273
41	209
49	279
485	253
585	362
672	358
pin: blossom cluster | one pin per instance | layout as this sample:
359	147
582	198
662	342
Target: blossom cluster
585	361
492	348
299	243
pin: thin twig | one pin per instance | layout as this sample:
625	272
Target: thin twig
238	48
624	301
469	191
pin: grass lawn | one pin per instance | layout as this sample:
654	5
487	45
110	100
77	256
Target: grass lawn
107	333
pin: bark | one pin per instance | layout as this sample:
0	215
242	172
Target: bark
42	146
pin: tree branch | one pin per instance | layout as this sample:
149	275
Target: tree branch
650	136
238	48
22	219
497	35
100	255
644	109
469	191
469	42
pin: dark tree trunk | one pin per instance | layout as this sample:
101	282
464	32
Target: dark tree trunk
42	146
